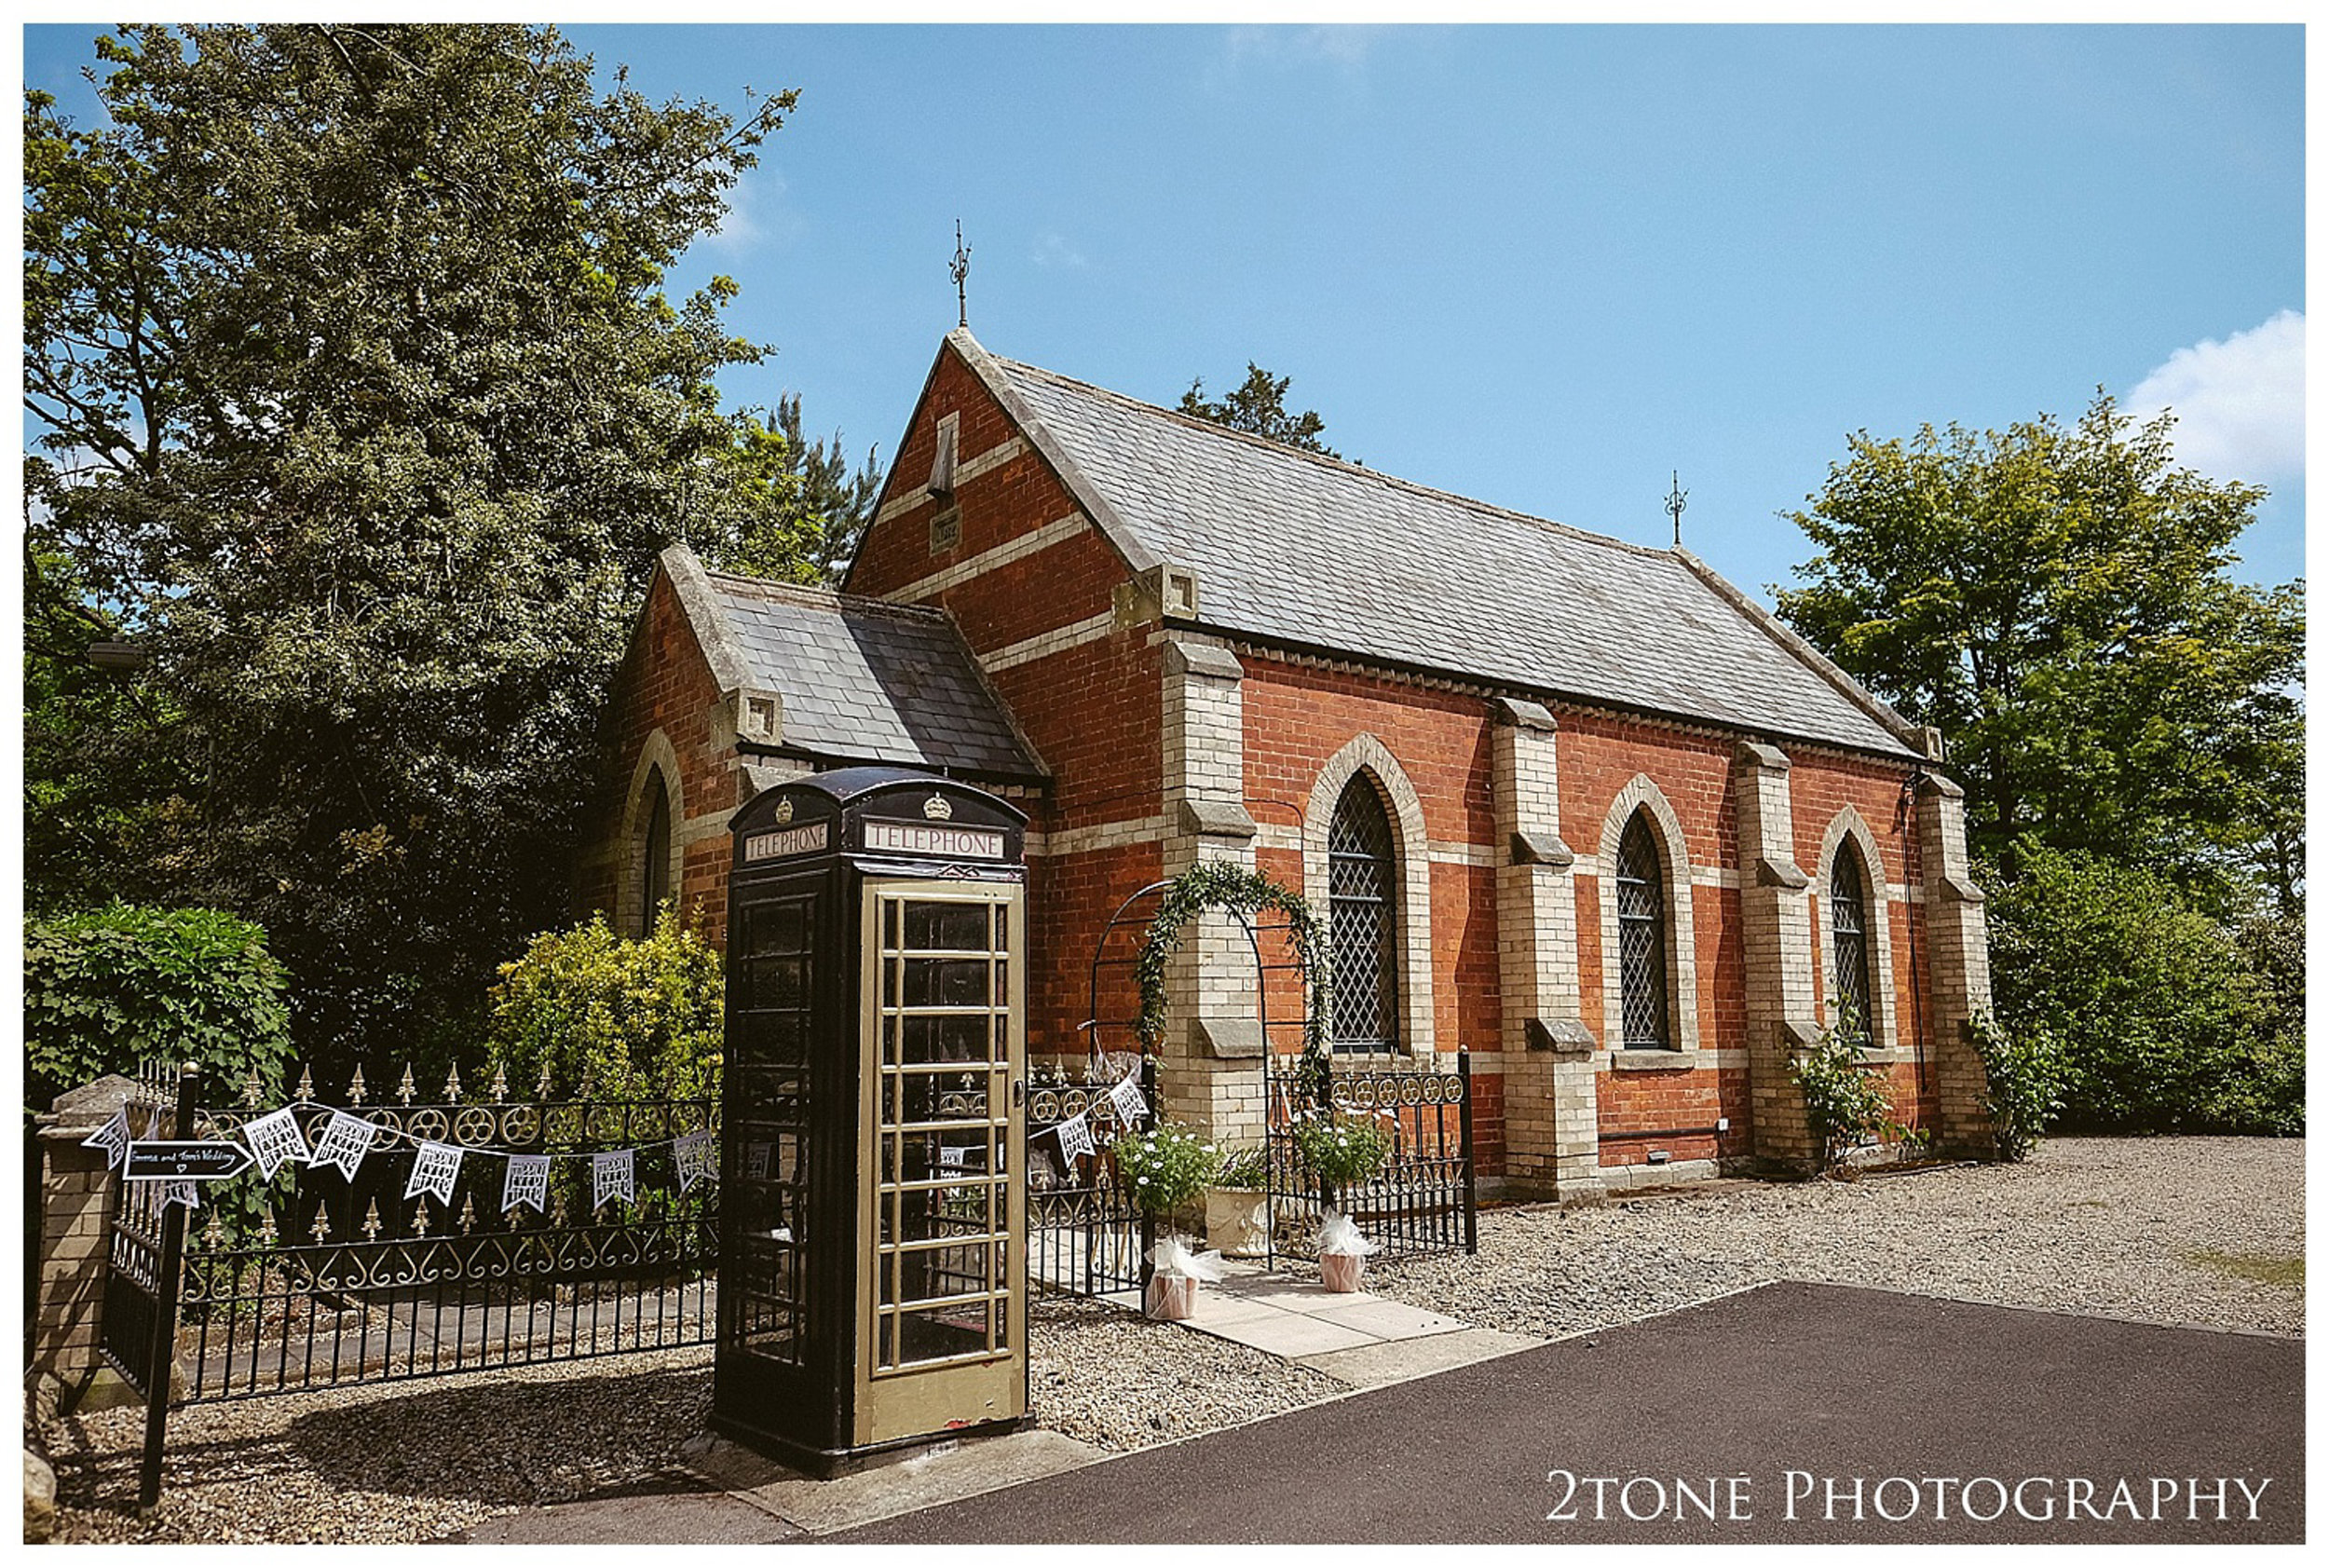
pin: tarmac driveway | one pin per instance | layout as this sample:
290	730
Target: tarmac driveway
1790	1412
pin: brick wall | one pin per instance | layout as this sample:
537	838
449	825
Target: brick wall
1070	639
1825	786
1075	665
663	684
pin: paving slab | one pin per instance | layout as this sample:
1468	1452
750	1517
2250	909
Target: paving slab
1215	1308
661	1518
1291	1295
1289	1334
945	1473
1386	1321
1389	1361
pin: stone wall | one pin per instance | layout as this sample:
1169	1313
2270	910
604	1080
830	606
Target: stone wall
75	1195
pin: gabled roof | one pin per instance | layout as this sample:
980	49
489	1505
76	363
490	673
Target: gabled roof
1294	548
861	681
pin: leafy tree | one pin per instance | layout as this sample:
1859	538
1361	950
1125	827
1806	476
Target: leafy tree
2164	1023
837	502
2056	600
94	764
362	403
1259	408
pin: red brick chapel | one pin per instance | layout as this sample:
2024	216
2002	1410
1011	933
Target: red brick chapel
1578	806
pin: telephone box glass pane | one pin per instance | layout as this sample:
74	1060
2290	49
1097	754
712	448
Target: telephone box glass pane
769	1096
942	1276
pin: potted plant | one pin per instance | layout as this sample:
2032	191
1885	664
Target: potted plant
1342	1153
1163	1170
1237	1205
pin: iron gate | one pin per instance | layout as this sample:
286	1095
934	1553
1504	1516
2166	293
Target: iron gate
1084	1237
1424	1198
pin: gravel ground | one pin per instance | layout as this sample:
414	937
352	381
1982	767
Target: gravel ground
2114	1226
386	1462
1122	1382
418	1460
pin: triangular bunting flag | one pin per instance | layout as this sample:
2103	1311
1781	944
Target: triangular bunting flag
527	1183
1075	1136
345	1143
610	1177
1125	1096
112	1138
274	1138
435	1169
697	1158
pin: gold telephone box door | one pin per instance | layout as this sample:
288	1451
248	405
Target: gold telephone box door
942	1303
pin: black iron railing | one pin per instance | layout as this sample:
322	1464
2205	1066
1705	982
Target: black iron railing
1084	1236
344	1279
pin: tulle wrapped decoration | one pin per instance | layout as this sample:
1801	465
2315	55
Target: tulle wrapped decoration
1343	1252
1173	1288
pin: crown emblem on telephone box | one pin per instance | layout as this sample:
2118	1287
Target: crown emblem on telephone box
936	808
784	811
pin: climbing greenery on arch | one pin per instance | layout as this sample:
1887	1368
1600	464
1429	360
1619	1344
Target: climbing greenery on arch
1221	884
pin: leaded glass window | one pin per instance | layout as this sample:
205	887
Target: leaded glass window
1848	935
1642	937
1361	913
655	879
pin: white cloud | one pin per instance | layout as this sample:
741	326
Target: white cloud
1344	45
2239	404
758	213
1053	250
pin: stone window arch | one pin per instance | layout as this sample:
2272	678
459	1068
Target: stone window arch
1645	867
1367	762
1362	917
651	861
1643	964
1852	870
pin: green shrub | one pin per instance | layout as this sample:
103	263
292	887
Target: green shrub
1165	1169
637	1019
1245	1168
1341	1150
107	989
2166	1023
1847	1102
2026	1084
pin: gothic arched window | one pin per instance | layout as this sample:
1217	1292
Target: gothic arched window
1641	936
1361	880
1848	935
655	863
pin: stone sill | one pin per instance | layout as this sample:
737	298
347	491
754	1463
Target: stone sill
1652	1061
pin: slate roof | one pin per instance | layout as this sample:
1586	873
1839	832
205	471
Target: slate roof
865	681
1289	546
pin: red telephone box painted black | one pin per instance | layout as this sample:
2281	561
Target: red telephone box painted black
873	1243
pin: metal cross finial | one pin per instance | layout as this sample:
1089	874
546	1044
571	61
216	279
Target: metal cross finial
962	270
1676	500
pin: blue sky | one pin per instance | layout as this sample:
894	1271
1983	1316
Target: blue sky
1540	265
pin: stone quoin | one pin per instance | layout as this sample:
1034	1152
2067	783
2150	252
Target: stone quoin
1577	805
